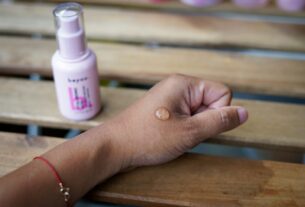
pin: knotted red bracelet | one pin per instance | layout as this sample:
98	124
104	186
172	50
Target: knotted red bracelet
65	191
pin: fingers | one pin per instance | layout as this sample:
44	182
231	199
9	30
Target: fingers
208	93
200	92
193	95
216	121
216	95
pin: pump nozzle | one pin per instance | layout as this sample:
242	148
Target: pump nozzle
70	30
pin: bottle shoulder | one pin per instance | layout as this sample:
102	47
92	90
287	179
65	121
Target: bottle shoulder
88	62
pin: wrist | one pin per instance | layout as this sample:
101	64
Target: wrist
109	154
90	159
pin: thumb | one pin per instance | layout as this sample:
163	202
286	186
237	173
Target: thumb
215	121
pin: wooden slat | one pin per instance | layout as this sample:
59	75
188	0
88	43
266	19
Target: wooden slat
176	5
24	101
144	26
144	65
18	149
191	180
271	125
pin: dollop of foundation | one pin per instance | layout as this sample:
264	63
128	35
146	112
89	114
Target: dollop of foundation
162	114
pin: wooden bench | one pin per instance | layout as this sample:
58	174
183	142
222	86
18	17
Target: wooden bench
142	43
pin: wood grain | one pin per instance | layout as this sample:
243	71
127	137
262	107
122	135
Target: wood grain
145	26
19	149
176	5
192	180
271	125
148	65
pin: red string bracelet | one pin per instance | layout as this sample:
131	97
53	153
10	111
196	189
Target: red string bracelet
65	191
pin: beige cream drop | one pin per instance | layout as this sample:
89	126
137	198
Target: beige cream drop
162	114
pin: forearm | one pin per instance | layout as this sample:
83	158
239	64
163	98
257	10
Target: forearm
82	163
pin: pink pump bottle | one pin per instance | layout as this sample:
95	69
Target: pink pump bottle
201	3
74	66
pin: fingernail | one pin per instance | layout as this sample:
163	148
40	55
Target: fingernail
242	115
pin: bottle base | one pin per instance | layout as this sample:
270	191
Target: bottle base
81	117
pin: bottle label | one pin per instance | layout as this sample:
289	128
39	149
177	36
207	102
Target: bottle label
79	94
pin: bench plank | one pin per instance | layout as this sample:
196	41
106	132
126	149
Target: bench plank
148	65
191	180
271	125
175	5
144	26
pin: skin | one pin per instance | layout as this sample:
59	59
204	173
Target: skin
136	137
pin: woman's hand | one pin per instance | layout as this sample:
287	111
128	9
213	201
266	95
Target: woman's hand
198	110
136	137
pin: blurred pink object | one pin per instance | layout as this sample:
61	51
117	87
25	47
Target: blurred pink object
291	5
251	3
157	1
201	2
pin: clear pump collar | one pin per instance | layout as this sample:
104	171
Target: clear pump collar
70	30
